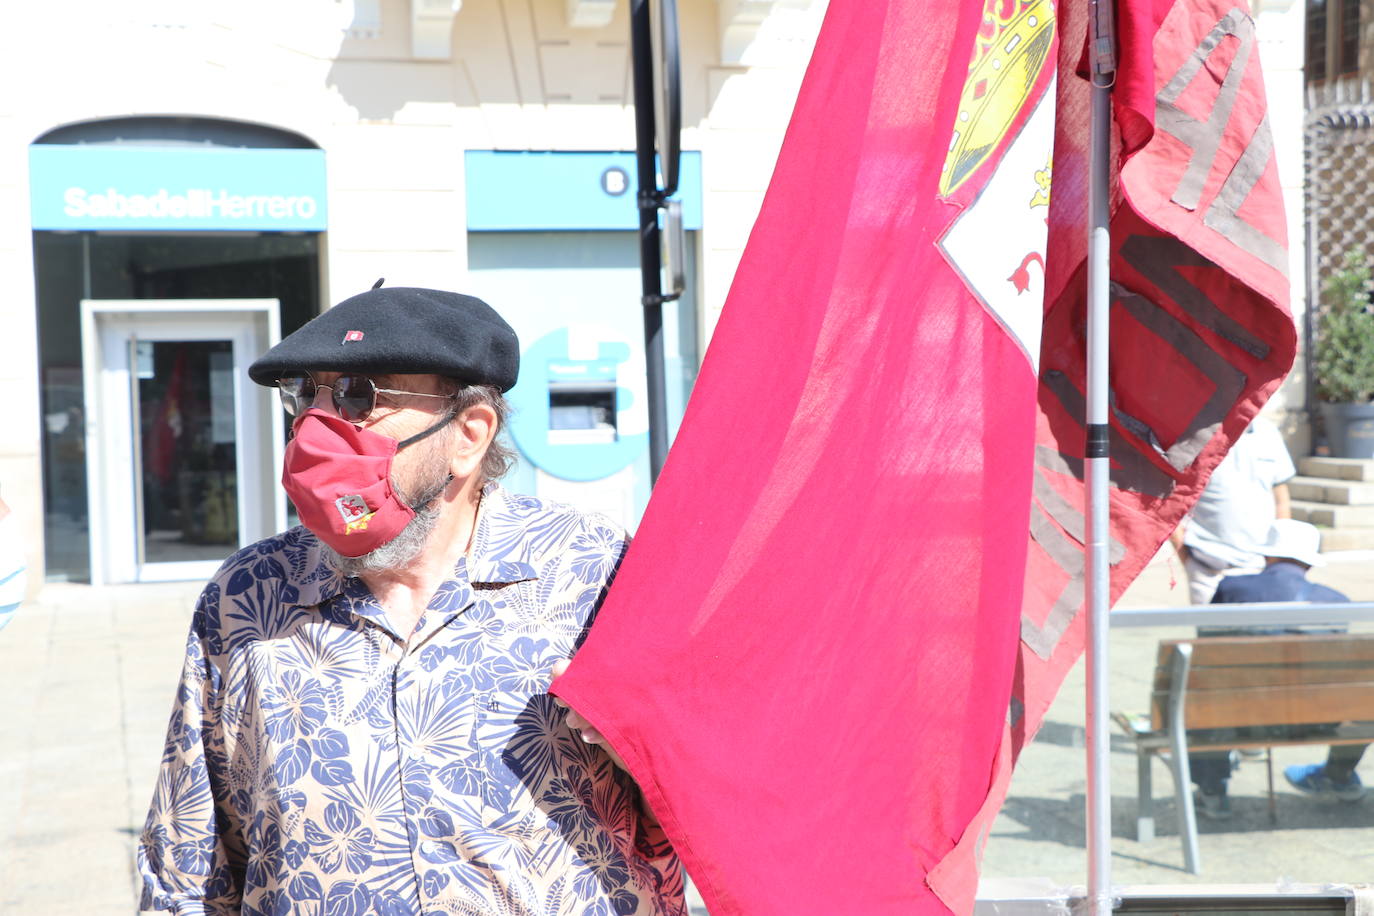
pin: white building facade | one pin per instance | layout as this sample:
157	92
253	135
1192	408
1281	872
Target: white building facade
185	182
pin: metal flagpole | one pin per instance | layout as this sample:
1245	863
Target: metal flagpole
649	201
1097	471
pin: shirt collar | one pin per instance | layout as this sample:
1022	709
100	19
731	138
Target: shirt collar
1286	567
500	551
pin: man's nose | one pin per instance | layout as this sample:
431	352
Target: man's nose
324	398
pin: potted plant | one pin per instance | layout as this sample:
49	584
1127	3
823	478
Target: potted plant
1343	357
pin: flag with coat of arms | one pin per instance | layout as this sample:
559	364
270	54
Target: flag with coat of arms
859	581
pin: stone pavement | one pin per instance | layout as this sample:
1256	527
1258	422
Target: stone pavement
87	676
88	673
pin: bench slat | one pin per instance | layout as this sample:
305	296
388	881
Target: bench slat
1275	649
1305	704
1223	677
1279	679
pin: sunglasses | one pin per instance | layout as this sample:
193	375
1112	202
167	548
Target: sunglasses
354	396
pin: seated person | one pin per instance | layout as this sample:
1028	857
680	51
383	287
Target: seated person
1291	549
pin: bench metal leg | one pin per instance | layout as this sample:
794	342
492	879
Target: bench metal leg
1183	791
1269	768
1145	800
1178	758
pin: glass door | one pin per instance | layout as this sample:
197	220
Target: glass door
184	413
186	446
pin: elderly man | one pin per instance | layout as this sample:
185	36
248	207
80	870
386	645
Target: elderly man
362	724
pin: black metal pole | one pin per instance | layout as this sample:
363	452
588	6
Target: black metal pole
649	199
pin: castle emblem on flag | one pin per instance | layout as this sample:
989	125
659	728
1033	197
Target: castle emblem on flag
353	509
1012	49
1008	277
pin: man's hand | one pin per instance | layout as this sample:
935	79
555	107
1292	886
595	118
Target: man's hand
580	725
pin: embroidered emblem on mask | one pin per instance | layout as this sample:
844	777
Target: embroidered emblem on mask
354	512
353	335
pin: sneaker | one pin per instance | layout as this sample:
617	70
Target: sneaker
1214	806
1312	780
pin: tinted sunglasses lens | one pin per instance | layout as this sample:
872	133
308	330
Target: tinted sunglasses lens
296	393
354	396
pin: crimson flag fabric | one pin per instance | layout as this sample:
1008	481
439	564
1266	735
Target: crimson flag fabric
858	583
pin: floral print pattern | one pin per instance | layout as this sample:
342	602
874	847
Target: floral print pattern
318	762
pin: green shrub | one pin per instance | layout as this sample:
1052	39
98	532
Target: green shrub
1343	353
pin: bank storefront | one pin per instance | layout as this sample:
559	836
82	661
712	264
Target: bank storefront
168	253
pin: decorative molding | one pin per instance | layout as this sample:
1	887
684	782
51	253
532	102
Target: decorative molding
431	28
1344	103
590	14
739	26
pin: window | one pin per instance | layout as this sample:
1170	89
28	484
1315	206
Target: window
1348	39
1333	39
1316	40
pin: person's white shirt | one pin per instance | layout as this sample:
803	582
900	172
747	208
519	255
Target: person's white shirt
1232	517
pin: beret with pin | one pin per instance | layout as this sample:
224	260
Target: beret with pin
400	329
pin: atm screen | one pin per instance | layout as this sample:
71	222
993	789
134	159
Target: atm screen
581	413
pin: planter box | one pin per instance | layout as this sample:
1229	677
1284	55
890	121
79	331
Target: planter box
1349	429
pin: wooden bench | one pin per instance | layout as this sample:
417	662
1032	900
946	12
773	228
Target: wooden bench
1220	682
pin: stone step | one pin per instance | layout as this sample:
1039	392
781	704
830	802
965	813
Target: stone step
1347	539
1338	468
1330	516
1327	490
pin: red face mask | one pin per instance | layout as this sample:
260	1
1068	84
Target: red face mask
339	477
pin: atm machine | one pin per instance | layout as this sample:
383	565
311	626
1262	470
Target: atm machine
552	246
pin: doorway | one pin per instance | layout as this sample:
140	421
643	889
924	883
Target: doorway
183	448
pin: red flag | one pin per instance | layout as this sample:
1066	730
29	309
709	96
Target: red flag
1201	333
816	659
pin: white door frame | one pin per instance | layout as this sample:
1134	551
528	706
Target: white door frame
108	328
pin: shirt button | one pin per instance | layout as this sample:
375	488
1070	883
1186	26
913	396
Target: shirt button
427	847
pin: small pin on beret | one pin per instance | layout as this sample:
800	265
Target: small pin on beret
400	329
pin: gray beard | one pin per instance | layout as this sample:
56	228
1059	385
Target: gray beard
406	546
401	550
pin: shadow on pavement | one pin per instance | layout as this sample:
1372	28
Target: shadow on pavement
1063	734
1061	820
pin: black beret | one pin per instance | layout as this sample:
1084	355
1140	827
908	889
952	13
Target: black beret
401	330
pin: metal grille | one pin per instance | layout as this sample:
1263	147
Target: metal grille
1340	176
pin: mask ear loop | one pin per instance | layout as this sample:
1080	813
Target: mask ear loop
447	419
427	498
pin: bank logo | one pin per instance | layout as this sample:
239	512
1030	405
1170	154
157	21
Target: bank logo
193	204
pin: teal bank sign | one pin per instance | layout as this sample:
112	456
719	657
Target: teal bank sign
103	187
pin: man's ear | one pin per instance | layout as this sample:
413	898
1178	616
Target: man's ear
476	428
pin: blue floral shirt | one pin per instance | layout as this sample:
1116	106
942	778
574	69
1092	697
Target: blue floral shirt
317	762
